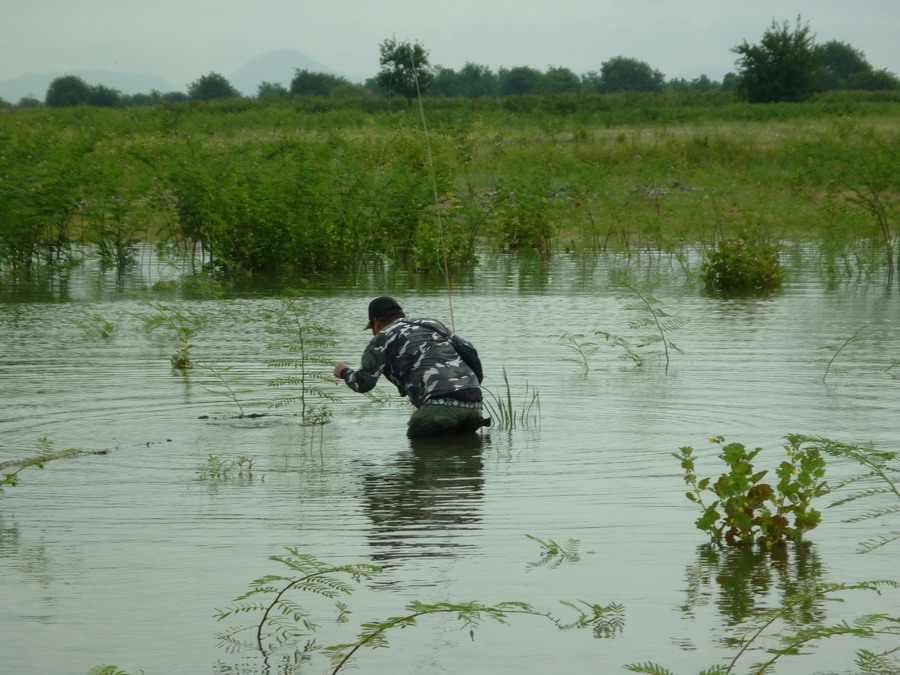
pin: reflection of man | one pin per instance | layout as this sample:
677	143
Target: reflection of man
429	501
421	357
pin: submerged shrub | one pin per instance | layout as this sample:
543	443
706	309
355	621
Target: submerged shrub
743	264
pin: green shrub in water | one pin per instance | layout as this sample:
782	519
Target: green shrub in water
744	510
743	264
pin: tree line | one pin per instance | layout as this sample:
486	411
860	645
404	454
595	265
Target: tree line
787	65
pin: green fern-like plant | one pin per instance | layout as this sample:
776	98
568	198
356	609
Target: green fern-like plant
880	480
224	384
311	369
554	554
178	319
837	349
580	347
271	597
764	626
654	343
604	621
46	452
282	620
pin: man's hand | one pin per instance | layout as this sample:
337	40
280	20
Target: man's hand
338	369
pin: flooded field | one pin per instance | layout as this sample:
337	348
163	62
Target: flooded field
125	557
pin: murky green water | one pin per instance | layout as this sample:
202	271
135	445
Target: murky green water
124	558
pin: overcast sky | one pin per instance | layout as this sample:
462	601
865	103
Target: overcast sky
181	40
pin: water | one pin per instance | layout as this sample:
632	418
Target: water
123	558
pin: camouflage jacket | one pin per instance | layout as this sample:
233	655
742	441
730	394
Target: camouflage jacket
418	357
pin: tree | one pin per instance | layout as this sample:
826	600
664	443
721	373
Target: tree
782	67
476	80
306	83
622	73
520	80
68	91
210	87
844	67
405	70
104	97
559	80
271	90
839	64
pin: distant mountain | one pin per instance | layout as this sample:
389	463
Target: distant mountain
277	67
35	84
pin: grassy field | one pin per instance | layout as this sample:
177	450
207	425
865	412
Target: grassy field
315	183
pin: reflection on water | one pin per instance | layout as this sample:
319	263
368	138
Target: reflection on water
423	503
742	581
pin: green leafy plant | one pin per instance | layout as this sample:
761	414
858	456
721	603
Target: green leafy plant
659	321
742	264
745	510
840	345
311	367
46	453
763	627
505	414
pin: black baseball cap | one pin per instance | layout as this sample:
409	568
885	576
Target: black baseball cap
383	307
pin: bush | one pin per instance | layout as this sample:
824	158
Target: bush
742	264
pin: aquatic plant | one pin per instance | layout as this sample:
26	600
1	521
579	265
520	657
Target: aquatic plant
882	467
96	325
604	622
764	628
747	511
216	469
283	620
554	554
181	320
508	415
46	453
836	349
581	347
311	367
661	324
226	385
106	670
743	264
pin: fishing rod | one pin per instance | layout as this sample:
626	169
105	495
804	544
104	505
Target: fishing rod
434	188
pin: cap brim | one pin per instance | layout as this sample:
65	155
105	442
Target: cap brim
368	325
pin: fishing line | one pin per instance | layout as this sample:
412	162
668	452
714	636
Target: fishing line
434	188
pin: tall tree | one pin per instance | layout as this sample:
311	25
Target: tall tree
307	83
67	91
560	80
782	67
476	80
622	73
212	86
520	80
405	70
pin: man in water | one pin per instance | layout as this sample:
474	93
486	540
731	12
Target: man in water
422	358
